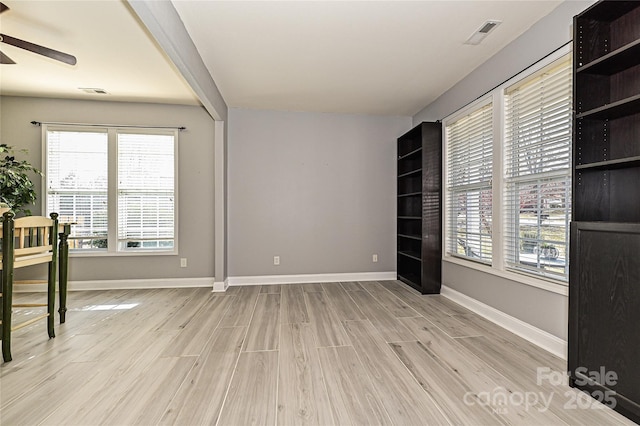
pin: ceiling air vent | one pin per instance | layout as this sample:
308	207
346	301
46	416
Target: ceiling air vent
93	90
482	32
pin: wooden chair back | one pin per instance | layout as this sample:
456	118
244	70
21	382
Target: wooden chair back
26	241
31	243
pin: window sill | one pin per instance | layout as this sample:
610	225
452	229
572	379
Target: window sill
96	253
541	283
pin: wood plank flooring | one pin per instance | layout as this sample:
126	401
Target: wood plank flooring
370	353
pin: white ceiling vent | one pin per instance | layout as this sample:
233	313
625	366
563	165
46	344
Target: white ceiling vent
93	90
482	32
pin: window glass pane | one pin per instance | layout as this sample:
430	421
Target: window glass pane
472	213
540	227
469	173
145	191
77	181
537	171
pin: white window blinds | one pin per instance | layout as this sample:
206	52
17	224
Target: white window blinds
117	185
537	171
145	191
469	193
77	184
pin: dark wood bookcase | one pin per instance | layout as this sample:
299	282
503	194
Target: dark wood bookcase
419	207
604	275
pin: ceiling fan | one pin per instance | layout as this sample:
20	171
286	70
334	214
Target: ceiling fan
35	48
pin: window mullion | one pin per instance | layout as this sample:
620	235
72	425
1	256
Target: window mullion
113	192
497	188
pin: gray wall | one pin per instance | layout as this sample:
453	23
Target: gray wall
318	190
195	179
540	308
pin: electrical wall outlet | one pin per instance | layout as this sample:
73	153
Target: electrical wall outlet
276	260
375	258
183	262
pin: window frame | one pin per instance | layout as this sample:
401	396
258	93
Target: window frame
472	108
112	186
498	265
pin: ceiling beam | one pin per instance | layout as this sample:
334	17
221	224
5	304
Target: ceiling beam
164	24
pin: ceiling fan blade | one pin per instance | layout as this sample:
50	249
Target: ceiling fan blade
4	59
3	7
40	50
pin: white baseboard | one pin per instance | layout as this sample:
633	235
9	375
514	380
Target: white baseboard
124	284
311	278
538	337
220	286
217	286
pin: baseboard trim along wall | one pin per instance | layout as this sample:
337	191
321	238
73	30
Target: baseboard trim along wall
220	286
311	278
217	286
124	284
538	337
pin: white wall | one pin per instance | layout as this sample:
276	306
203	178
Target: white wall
196	178
541	308
318	190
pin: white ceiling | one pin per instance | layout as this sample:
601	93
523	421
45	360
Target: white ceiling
113	50
374	57
370	57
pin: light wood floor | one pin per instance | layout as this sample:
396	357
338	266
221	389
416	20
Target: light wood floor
341	353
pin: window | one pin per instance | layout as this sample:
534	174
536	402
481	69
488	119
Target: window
537	171
77	184
469	173
508	175
116	185
145	191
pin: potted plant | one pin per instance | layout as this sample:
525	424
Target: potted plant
16	188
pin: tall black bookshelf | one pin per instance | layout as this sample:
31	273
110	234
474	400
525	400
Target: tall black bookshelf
419	207
604	274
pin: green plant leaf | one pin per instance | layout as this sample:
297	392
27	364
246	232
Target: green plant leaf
16	187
